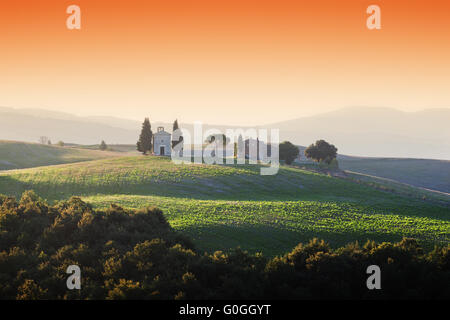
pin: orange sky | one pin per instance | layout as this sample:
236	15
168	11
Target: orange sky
223	61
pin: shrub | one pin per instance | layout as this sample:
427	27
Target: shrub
288	152
321	151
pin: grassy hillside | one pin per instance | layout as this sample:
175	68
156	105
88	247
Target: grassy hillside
16	155
425	173
398	187
222	207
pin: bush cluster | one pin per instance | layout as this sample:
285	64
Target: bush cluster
135	254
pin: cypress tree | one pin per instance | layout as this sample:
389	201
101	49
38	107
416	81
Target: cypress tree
174	128
144	144
103	146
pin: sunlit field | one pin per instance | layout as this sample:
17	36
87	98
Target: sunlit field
221	207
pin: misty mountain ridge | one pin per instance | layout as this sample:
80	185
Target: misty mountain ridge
361	131
375	132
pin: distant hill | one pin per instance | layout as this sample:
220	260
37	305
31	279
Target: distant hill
360	131
375	132
29	125
425	173
18	155
129	149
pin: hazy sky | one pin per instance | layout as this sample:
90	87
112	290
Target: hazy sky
223	61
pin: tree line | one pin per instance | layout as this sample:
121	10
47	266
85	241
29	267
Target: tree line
45	140
321	151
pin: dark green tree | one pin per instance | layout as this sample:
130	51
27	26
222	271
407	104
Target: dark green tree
288	152
103	145
321	151
144	144
174	128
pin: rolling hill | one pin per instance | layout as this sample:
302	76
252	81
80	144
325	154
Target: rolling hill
29	125
17	155
222	207
424	173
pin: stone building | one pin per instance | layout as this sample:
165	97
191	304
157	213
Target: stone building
162	143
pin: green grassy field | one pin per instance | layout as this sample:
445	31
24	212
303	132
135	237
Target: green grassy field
17	155
222	207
